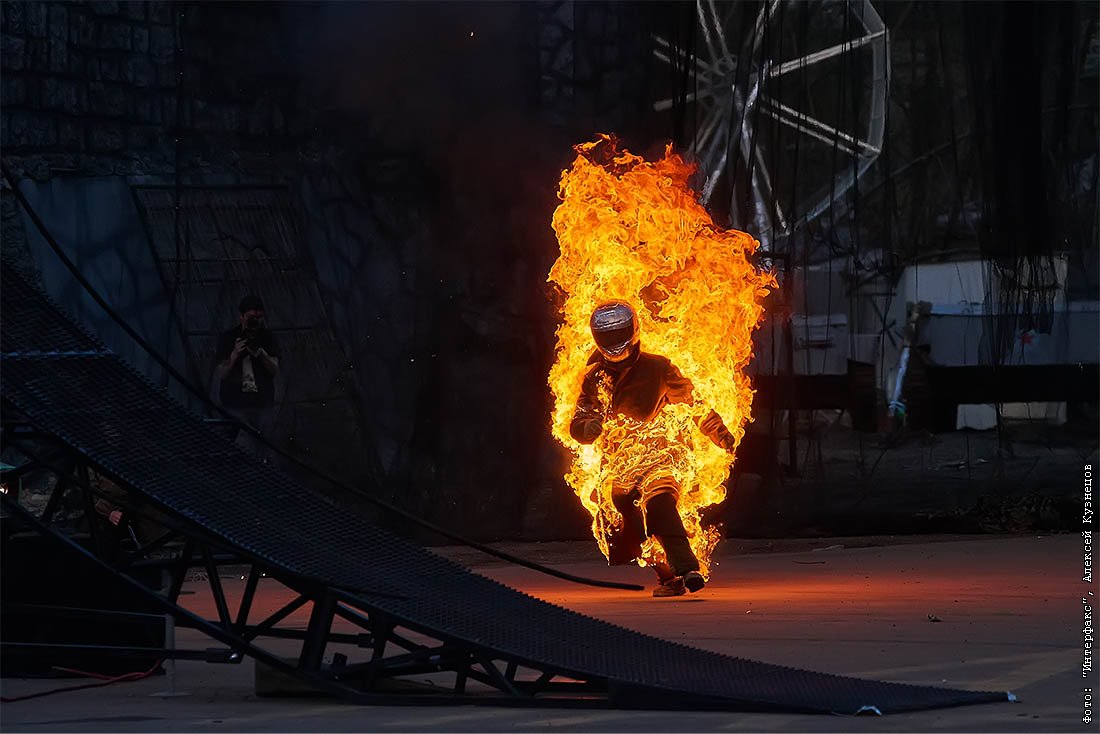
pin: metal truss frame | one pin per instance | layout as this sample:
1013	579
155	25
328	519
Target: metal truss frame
369	659
726	127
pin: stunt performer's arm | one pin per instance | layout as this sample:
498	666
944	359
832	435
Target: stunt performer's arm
588	418
680	391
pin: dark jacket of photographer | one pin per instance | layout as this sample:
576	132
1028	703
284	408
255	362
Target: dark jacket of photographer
232	393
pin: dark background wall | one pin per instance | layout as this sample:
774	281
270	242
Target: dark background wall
419	147
423	179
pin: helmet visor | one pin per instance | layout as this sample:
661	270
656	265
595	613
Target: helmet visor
615	342
614	329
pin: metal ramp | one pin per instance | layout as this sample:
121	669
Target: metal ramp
72	408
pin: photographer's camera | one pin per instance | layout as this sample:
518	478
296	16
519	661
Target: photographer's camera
252	328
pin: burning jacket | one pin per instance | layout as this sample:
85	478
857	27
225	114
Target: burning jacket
639	387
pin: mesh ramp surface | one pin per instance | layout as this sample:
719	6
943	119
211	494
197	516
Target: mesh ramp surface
68	384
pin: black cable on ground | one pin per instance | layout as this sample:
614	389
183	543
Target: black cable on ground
205	400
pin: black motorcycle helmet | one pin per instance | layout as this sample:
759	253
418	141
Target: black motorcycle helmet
615	330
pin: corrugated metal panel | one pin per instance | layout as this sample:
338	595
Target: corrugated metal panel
222	223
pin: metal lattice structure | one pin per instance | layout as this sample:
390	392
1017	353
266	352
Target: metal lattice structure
73	409
212	245
746	77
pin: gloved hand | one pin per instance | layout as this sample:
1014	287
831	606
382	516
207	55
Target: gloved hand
714	429
587	430
711	424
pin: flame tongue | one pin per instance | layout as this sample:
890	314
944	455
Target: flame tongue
631	229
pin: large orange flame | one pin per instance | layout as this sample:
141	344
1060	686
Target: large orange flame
633	230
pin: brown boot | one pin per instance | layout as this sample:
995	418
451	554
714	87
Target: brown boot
672	587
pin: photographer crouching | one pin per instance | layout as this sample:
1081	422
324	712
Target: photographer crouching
247	360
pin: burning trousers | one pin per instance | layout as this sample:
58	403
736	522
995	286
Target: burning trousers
656	517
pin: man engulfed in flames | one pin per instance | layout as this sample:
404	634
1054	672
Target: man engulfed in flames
653	433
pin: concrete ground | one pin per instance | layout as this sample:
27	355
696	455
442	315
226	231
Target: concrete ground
992	613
